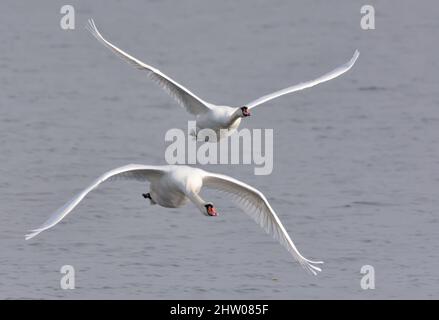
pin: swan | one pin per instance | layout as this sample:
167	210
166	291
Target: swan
172	186
223	120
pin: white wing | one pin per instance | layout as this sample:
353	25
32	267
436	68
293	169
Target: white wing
304	85
254	203
184	97
131	171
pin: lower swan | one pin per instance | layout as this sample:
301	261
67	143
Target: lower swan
174	185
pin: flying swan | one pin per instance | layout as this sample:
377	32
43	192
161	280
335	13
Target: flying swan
173	186
209	115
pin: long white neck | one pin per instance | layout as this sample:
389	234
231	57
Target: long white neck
198	201
236	115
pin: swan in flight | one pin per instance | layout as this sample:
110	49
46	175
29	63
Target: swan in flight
173	186
209	115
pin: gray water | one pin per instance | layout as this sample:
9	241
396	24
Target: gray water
355	177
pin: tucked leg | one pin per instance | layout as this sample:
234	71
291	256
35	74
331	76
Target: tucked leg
147	195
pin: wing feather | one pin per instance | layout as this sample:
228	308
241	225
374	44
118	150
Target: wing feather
304	85
254	203
132	172
192	103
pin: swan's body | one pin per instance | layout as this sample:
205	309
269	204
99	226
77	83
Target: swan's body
221	120
174	186
209	115
171	190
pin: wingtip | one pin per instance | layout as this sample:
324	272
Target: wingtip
91	22
310	267
313	270
355	56
91	26
32	234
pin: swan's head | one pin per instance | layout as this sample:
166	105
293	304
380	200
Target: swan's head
245	112
210	210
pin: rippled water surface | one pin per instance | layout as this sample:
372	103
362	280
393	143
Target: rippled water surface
355	177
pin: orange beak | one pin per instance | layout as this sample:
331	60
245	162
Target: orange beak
211	211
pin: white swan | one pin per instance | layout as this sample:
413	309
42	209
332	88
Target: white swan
173	186
208	115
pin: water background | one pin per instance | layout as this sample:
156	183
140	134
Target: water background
355	177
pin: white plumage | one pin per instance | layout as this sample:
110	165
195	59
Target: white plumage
174	186
209	115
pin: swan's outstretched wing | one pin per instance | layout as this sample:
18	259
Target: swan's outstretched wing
184	97
254	203
304	85
131	171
